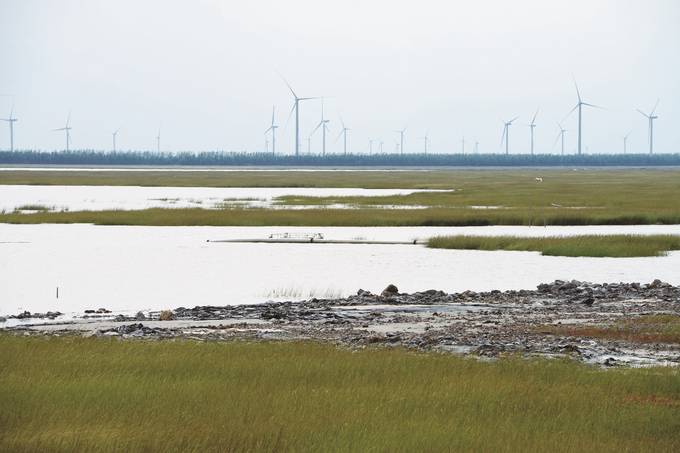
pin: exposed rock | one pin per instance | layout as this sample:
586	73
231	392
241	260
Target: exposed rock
488	324
29	315
390	291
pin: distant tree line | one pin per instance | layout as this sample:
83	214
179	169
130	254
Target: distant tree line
214	158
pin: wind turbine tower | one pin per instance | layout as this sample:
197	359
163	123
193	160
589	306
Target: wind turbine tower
158	141
114	134
425	139
273	128
560	136
401	141
532	126
67	130
625	142
343	132
506	134
296	107
579	107
323	124
11	120
651	117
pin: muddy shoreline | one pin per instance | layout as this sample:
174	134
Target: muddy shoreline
486	324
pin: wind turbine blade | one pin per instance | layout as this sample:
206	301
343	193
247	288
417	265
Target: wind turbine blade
643	113
268	130
292	109
505	128
534	118
570	112
557	139
68	118
651	114
317	127
339	135
513	120
578	92
289	87
593	105
273	111
307	99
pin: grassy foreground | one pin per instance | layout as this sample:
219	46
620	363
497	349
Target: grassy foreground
618	246
75	394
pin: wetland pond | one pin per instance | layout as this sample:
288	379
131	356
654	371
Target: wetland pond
104	198
130	268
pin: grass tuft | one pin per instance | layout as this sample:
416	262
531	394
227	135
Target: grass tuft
618	246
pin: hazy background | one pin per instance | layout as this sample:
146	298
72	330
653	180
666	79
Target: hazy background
206	72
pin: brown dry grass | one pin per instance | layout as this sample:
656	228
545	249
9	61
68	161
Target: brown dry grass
642	329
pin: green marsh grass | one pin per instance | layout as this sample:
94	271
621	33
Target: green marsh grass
619	246
104	395
563	197
339	217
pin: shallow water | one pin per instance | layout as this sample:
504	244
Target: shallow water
101	198
125	268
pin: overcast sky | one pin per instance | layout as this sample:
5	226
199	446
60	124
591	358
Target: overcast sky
206	72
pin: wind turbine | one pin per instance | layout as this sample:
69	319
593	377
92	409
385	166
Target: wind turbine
476	147
579	106
273	128
560	135
532	126
401	135
651	117
625	142
158	141
323	124
296	107
11	120
506	134
380	146
114	134
67	130
370	146
462	145
425	139
343	132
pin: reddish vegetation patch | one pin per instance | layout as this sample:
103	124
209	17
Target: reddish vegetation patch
642	329
653	400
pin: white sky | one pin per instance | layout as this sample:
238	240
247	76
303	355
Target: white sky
206	70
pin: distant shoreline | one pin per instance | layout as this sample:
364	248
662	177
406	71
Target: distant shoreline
222	159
